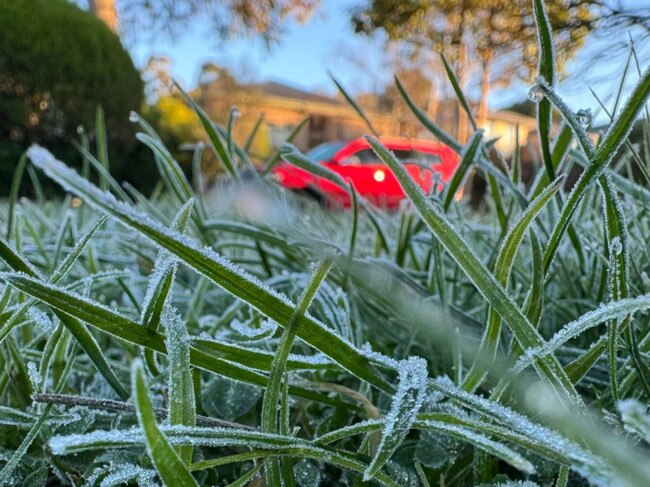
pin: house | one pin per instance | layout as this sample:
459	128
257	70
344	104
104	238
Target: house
284	106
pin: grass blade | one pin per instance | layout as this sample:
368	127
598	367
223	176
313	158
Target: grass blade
271	399
485	282
468	157
275	157
547	72
459	91
13	192
81	334
605	152
102	146
352	102
502	269
405	405
217	269
173	472
440	134
218	142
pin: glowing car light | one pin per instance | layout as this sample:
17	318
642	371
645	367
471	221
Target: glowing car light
379	175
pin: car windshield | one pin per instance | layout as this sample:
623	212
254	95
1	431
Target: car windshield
324	152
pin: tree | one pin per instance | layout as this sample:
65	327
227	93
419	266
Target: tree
227	17
500	34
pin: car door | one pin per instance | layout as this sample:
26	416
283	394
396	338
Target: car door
371	177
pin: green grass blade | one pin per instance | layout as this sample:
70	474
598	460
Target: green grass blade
352	102
81	334
275	156
173	472
264	443
485	282
22	449
218	142
468	157
271	399
120	326
440	134
13	193
169	169
67	263
560	149
217	269
459	91
102	146
405	405
546	68
94	352
516	158
104	175
294	156
502	269
472	431
605	152
611	311
182	408
251	136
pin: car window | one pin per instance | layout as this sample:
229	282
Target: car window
368	156
324	152
425	158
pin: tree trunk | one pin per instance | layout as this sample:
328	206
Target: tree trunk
105	11
485	95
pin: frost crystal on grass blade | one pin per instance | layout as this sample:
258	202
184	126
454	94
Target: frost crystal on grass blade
181	386
603	313
635	417
217	268
405	405
34	375
266	329
123	473
616	246
41	319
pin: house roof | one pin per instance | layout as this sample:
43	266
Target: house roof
282	90
512	117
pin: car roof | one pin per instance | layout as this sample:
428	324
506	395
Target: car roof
393	143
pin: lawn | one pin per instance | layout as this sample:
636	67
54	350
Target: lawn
246	336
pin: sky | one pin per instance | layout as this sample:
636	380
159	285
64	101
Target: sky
307	52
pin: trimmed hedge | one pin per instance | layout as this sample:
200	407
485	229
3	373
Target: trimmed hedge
57	63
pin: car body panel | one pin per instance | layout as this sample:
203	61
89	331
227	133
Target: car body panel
426	161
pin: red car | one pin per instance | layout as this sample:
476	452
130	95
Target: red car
355	161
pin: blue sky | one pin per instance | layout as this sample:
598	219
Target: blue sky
306	52
302	57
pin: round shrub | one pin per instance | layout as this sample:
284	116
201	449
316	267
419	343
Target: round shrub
57	64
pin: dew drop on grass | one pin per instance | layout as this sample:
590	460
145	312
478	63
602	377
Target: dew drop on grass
307	474
535	94
584	117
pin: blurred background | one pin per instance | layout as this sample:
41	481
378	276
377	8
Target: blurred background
274	60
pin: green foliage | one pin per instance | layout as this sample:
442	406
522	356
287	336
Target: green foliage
57	64
427	344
